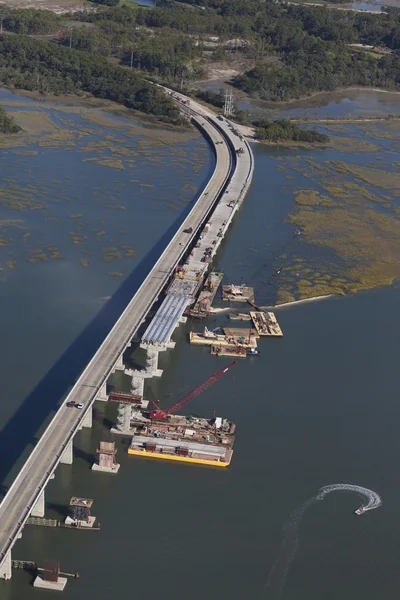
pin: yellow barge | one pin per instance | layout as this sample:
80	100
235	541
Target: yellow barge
183	439
199	461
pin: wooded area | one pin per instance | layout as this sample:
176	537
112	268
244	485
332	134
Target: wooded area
291	50
36	65
7	124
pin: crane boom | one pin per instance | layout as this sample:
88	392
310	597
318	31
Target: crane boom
160	414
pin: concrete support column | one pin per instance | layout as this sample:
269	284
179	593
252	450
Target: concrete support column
102	393
119	365
88	418
38	509
124	418
5	569
67	456
137	384
152	369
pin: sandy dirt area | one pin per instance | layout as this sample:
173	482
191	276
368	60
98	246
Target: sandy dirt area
57	6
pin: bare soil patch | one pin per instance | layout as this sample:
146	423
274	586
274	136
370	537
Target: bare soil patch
58	6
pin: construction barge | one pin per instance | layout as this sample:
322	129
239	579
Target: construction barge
237	293
266	324
240	317
183	439
202	307
225	337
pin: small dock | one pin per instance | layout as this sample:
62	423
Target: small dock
237	293
202	307
266	324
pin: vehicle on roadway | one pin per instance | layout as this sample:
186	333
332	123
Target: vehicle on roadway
188	230
75	405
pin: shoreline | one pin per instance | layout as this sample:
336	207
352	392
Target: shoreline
343	90
228	310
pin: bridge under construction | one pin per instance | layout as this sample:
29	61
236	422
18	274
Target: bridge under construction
179	271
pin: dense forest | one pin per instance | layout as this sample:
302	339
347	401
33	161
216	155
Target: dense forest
36	65
295	49
7	124
289	51
284	130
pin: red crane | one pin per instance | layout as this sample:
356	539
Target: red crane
163	414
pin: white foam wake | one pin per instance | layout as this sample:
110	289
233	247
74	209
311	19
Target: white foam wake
280	568
373	499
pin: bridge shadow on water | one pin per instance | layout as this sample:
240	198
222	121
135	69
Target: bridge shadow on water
21	430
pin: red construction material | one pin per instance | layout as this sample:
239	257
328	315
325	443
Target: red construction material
123	398
161	414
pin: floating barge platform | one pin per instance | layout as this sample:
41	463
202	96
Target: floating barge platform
202	307
237	293
240	317
229	337
266	324
238	351
184	439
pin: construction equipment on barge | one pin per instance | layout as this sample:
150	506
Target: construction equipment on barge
202	307
225	337
161	434
165	414
237	293
184	439
237	351
266	324
240	317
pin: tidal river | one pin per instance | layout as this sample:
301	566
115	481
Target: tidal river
318	408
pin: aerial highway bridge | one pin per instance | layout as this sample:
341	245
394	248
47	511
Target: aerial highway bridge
25	496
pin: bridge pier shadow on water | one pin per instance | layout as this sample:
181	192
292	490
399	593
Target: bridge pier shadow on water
22	429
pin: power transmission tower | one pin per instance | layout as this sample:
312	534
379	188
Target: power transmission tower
228	105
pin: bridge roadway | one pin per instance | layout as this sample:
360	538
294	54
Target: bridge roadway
37	470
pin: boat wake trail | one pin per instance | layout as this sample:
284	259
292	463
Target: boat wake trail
280	568
374	499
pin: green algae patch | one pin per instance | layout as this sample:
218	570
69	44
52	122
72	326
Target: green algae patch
34	122
110	162
386	180
25	152
359	251
312	198
351	144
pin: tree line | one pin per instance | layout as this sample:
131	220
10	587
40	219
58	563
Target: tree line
32	64
295	49
7	124
283	130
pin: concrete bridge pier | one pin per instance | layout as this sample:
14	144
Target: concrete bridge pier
87	420
102	393
152	353
5	568
137	384
67	456
38	509
124	418
119	365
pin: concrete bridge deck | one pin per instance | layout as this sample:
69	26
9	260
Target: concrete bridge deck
29	484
